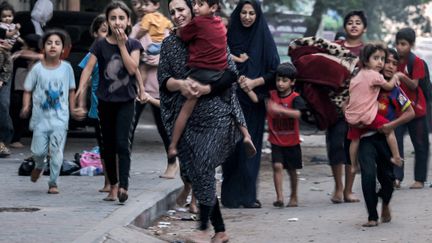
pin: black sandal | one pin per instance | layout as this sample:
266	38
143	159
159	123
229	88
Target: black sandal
278	204
122	195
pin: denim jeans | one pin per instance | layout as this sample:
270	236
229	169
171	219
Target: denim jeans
418	131
6	127
374	158
54	142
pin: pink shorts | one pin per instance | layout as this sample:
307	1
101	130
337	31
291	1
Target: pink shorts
355	133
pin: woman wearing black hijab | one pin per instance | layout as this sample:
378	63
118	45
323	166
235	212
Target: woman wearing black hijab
248	33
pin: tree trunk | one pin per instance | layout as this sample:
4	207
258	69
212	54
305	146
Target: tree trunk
313	21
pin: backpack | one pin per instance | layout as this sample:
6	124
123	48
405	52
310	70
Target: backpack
424	83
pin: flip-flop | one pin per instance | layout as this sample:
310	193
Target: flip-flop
53	190
110	199
351	200
370	224
278	204
336	201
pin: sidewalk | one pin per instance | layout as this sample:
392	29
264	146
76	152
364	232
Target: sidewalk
78	213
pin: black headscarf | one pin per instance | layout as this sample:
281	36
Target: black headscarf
256	41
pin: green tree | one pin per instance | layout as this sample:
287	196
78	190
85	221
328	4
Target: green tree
408	12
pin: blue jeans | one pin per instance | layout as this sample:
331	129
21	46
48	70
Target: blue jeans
6	127
374	158
418	131
54	142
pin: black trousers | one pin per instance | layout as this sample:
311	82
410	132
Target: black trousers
374	158
215	215
116	119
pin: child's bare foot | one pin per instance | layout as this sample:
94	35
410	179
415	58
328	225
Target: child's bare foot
193	208
350	198
249	147
370	223
220	237
200	236
172	151
337	197
354	168
112	195
292	202
385	214
398	161
417	185
170	171
36	174
106	188
181	198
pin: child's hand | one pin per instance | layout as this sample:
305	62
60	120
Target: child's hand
25	111
1	84
17	26
120	36
272	107
243	57
79	113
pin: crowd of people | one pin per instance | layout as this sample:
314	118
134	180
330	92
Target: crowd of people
211	89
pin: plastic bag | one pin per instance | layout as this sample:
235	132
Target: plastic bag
42	11
90	159
26	167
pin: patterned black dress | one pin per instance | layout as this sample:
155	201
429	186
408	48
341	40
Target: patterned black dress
211	131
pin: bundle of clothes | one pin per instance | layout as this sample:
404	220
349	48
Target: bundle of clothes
324	73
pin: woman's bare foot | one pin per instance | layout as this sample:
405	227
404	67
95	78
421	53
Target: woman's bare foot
106	188
292	202
398	161
220	237
249	146
200	236
170	171
370	223
385	214
172	151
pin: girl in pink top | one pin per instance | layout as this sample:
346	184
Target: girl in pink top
361	112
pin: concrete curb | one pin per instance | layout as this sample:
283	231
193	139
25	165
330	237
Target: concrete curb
139	212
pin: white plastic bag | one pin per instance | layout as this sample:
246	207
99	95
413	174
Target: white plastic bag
42	12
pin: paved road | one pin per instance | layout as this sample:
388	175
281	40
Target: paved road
319	220
78	212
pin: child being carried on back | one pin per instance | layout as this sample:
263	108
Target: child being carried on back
362	110
206	36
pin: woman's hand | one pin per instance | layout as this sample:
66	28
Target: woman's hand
188	88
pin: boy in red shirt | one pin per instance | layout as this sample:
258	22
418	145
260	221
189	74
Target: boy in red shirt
208	63
284	108
417	128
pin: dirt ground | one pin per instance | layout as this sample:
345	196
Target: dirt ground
316	219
